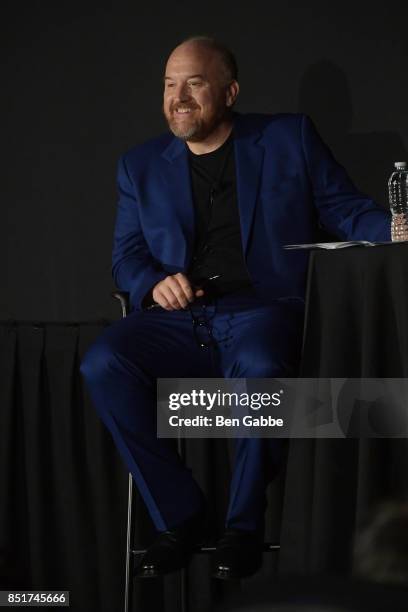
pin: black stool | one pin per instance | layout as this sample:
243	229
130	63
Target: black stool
132	553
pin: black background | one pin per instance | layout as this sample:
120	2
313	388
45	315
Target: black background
82	83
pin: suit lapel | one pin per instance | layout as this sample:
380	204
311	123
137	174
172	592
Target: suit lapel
249	154
176	174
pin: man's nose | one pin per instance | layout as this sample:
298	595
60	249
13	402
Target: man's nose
183	92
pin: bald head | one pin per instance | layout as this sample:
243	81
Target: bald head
227	63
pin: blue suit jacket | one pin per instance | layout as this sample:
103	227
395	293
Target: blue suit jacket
287	183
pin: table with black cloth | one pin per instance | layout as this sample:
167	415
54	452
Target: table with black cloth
357	312
356	325
64	487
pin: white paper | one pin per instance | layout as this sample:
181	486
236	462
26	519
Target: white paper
331	245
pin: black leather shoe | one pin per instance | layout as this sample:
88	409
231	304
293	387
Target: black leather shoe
172	549
238	554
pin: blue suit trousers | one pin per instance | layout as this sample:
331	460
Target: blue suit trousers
254	339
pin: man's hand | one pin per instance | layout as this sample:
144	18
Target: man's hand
175	292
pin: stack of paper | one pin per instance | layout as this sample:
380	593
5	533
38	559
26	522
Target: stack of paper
333	245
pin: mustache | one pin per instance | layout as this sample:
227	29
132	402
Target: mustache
183	106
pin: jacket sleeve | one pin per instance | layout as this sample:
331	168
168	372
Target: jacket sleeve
343	210
134	269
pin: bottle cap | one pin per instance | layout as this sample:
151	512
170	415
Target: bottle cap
400	165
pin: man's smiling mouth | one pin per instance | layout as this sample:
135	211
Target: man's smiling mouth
183	111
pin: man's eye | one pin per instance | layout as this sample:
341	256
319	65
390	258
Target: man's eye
193	83
170	85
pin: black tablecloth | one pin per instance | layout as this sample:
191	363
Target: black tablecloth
357	313
356	325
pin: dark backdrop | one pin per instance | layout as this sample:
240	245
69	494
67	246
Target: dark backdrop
82	83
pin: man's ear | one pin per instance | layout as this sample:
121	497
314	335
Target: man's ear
232	93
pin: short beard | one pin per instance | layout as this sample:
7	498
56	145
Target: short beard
186	134
198	131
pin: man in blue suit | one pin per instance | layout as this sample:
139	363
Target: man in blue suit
203	214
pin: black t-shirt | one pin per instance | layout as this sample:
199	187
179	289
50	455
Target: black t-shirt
218	244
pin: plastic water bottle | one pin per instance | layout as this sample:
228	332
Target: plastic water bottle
398	196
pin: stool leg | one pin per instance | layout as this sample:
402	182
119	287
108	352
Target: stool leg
183	573
124	302
183	590
129	554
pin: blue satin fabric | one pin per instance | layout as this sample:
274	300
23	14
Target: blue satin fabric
287	182
255	339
